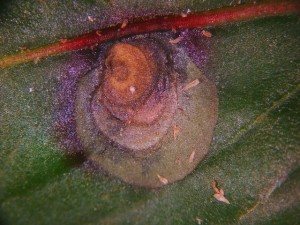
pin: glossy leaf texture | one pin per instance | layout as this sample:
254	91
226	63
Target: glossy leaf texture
254	156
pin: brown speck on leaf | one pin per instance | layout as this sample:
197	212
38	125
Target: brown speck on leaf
176	130
206	33
176	41
91	19
219	193
191	84
98	33
124	24
37	60
192	156
198	220
63	40
162	179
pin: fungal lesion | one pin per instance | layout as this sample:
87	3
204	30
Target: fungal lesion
126	108
135	103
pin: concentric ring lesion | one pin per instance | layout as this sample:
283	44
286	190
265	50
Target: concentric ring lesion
127	106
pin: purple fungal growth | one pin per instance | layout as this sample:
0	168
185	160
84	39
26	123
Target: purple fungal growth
65	125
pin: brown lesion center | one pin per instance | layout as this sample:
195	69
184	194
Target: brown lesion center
130	78
130	75
136	101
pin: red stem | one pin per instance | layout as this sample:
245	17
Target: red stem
158	23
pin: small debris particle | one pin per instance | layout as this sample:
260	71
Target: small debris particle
98	33
191	84
132	89
162	179
176	130
124	24
176	41
183	15
186	14
220	197
174	30
30	90
192	156
198	220
206	33
37	60
63	40
219	193
91	19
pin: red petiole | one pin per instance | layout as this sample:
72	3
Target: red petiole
158	23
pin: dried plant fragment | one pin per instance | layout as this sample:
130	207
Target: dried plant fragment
206	34
192	156
176	130
191	84
37	60
185	14
214	186
91	19
176	41
198	220
162	179
98	33
124	24
219	193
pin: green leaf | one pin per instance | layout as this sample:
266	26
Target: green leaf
255	151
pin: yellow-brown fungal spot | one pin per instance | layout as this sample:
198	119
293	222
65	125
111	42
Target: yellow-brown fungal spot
130	74
136	96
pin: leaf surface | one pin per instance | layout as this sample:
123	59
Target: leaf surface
255	151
